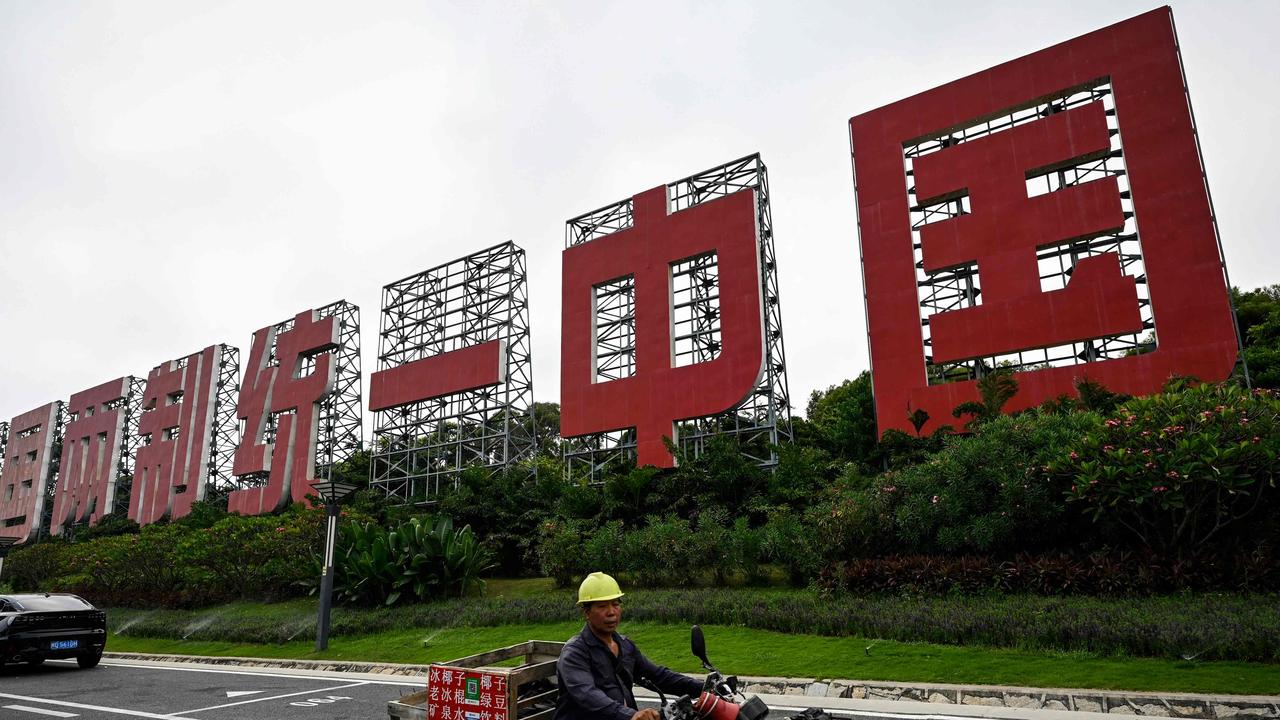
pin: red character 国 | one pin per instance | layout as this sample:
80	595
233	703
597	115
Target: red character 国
1049	214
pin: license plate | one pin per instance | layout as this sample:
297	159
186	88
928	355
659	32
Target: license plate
64	644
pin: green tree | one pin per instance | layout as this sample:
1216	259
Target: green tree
843	421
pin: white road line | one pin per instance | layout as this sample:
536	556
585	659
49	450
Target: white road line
277	697
39	711
420	684
99	708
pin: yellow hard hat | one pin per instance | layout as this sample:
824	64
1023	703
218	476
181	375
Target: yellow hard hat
597	586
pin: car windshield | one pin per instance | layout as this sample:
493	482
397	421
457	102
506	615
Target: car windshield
40	603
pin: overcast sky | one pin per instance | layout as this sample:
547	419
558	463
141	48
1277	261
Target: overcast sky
175	174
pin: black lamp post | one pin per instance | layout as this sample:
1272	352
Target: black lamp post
332	493
6	543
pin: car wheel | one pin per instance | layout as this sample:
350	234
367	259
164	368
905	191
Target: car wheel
87	661
35	661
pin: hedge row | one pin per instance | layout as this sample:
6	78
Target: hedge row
1210	627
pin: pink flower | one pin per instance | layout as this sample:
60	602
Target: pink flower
1108	448
935	499
1173	474
1074	456
1159	488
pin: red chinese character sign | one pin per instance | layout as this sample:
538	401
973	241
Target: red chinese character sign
97	451
454	386
1049	215
670	315
184	428
465	694
299	401
28	470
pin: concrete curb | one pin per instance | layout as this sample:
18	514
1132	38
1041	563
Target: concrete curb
861	696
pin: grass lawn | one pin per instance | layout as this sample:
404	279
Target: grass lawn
745	651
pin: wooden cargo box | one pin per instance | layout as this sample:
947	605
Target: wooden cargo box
470	688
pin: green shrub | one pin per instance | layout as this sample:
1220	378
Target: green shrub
985	493
560	554
1181	471
421	559
30	568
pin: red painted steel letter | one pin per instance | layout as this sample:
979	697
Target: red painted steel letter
171	470
26	471
280	389
659	394
1004	227
90	455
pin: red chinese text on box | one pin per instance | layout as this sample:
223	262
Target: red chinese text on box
1139	58
465	694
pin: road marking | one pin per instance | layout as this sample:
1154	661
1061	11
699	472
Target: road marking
39	711
315	691
420	684
239	693
99	708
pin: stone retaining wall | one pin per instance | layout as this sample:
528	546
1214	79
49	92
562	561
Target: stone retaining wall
1178	705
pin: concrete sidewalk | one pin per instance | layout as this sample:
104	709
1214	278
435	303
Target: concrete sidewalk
859	699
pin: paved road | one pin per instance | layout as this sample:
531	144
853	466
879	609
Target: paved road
121	689
115	690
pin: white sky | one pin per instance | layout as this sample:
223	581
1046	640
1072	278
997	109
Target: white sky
175	174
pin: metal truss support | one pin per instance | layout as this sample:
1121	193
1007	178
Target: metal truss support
763	420
4	444
959	287
129	442
55	466
341	424
225	433
420	447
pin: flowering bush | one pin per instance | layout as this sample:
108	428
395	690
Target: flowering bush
1179	470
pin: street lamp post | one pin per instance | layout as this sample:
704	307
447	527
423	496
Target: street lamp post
332	493
6	543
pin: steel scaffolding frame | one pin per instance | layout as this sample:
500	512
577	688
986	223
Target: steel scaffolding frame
55	467
959	287
4	444
225	433
420	448
341	423
763	420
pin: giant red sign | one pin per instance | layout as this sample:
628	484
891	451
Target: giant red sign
1003	228
277	386
172	467
658	394
25	478
91	448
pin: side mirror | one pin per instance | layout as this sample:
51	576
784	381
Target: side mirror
699	645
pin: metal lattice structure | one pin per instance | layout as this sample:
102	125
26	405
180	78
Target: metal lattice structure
129	442
958	287
341	426
225	433
763	420
55	466
420	447
4	443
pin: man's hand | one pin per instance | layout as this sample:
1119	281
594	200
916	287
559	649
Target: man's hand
646	714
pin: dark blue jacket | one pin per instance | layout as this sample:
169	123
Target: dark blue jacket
595	685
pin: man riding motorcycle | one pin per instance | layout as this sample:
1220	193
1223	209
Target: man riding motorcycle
598	666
